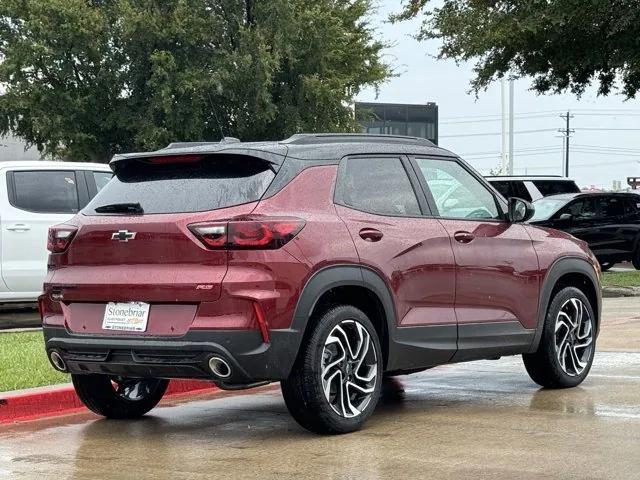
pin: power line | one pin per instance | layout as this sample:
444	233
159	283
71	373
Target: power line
600	110
607	129
583	111
516	117
486	134
497	155
606	148
583	165
611	154
536	112
546	150
542	147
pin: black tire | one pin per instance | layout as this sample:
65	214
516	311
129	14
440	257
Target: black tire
635	260
303	391
104	396
544	366
604	266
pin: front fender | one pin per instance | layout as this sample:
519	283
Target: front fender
561	267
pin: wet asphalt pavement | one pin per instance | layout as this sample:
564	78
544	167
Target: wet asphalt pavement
476	420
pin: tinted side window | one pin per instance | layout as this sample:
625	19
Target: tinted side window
632	205
574	208
590	208
45	191
583	209
457	193
101	179
554	187
612	207
377	185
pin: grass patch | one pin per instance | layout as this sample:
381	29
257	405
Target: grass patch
24	364
628	278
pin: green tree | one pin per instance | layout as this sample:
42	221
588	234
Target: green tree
562	44
84	79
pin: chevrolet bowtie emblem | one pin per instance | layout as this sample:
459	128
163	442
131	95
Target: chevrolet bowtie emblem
123	235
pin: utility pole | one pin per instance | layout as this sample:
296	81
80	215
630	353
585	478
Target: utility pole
510	169
503	90
566	135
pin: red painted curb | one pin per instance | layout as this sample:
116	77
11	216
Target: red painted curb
58	400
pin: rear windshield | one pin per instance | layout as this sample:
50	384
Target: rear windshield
554	187
512	188
186	187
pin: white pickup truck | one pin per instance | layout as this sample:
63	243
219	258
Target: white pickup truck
33	196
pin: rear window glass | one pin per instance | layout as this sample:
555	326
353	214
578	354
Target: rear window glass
502	187
186	187
519	190
512	188
45	191
554	187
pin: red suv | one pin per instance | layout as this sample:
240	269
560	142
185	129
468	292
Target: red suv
323	262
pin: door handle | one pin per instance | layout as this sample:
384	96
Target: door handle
19	227
370	235
464	237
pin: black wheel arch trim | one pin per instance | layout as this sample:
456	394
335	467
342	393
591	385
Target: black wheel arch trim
559	268
342	275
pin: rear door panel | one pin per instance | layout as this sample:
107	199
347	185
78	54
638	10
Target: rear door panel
411	252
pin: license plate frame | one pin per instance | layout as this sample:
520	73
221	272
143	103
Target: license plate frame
126	316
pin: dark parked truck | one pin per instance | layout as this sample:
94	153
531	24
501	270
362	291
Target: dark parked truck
323	262
608	222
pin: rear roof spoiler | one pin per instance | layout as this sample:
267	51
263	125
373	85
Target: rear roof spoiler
271	152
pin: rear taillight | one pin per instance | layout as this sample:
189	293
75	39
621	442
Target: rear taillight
266	233
212	235
59	238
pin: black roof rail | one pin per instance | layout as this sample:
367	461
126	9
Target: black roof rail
324	138
199	144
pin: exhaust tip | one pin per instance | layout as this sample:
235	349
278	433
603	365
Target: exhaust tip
57	361
219	367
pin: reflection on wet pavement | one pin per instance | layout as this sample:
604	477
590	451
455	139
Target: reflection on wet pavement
476	420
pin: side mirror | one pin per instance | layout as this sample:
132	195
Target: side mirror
520	210
565	217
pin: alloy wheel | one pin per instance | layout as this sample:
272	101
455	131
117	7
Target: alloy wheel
573	337
349	368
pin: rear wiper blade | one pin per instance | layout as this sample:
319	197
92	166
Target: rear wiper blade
120	208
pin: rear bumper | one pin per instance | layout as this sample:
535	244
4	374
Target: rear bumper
251	360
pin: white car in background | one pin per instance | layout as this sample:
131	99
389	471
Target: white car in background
35	195
532	187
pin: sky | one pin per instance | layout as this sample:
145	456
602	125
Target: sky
598	156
